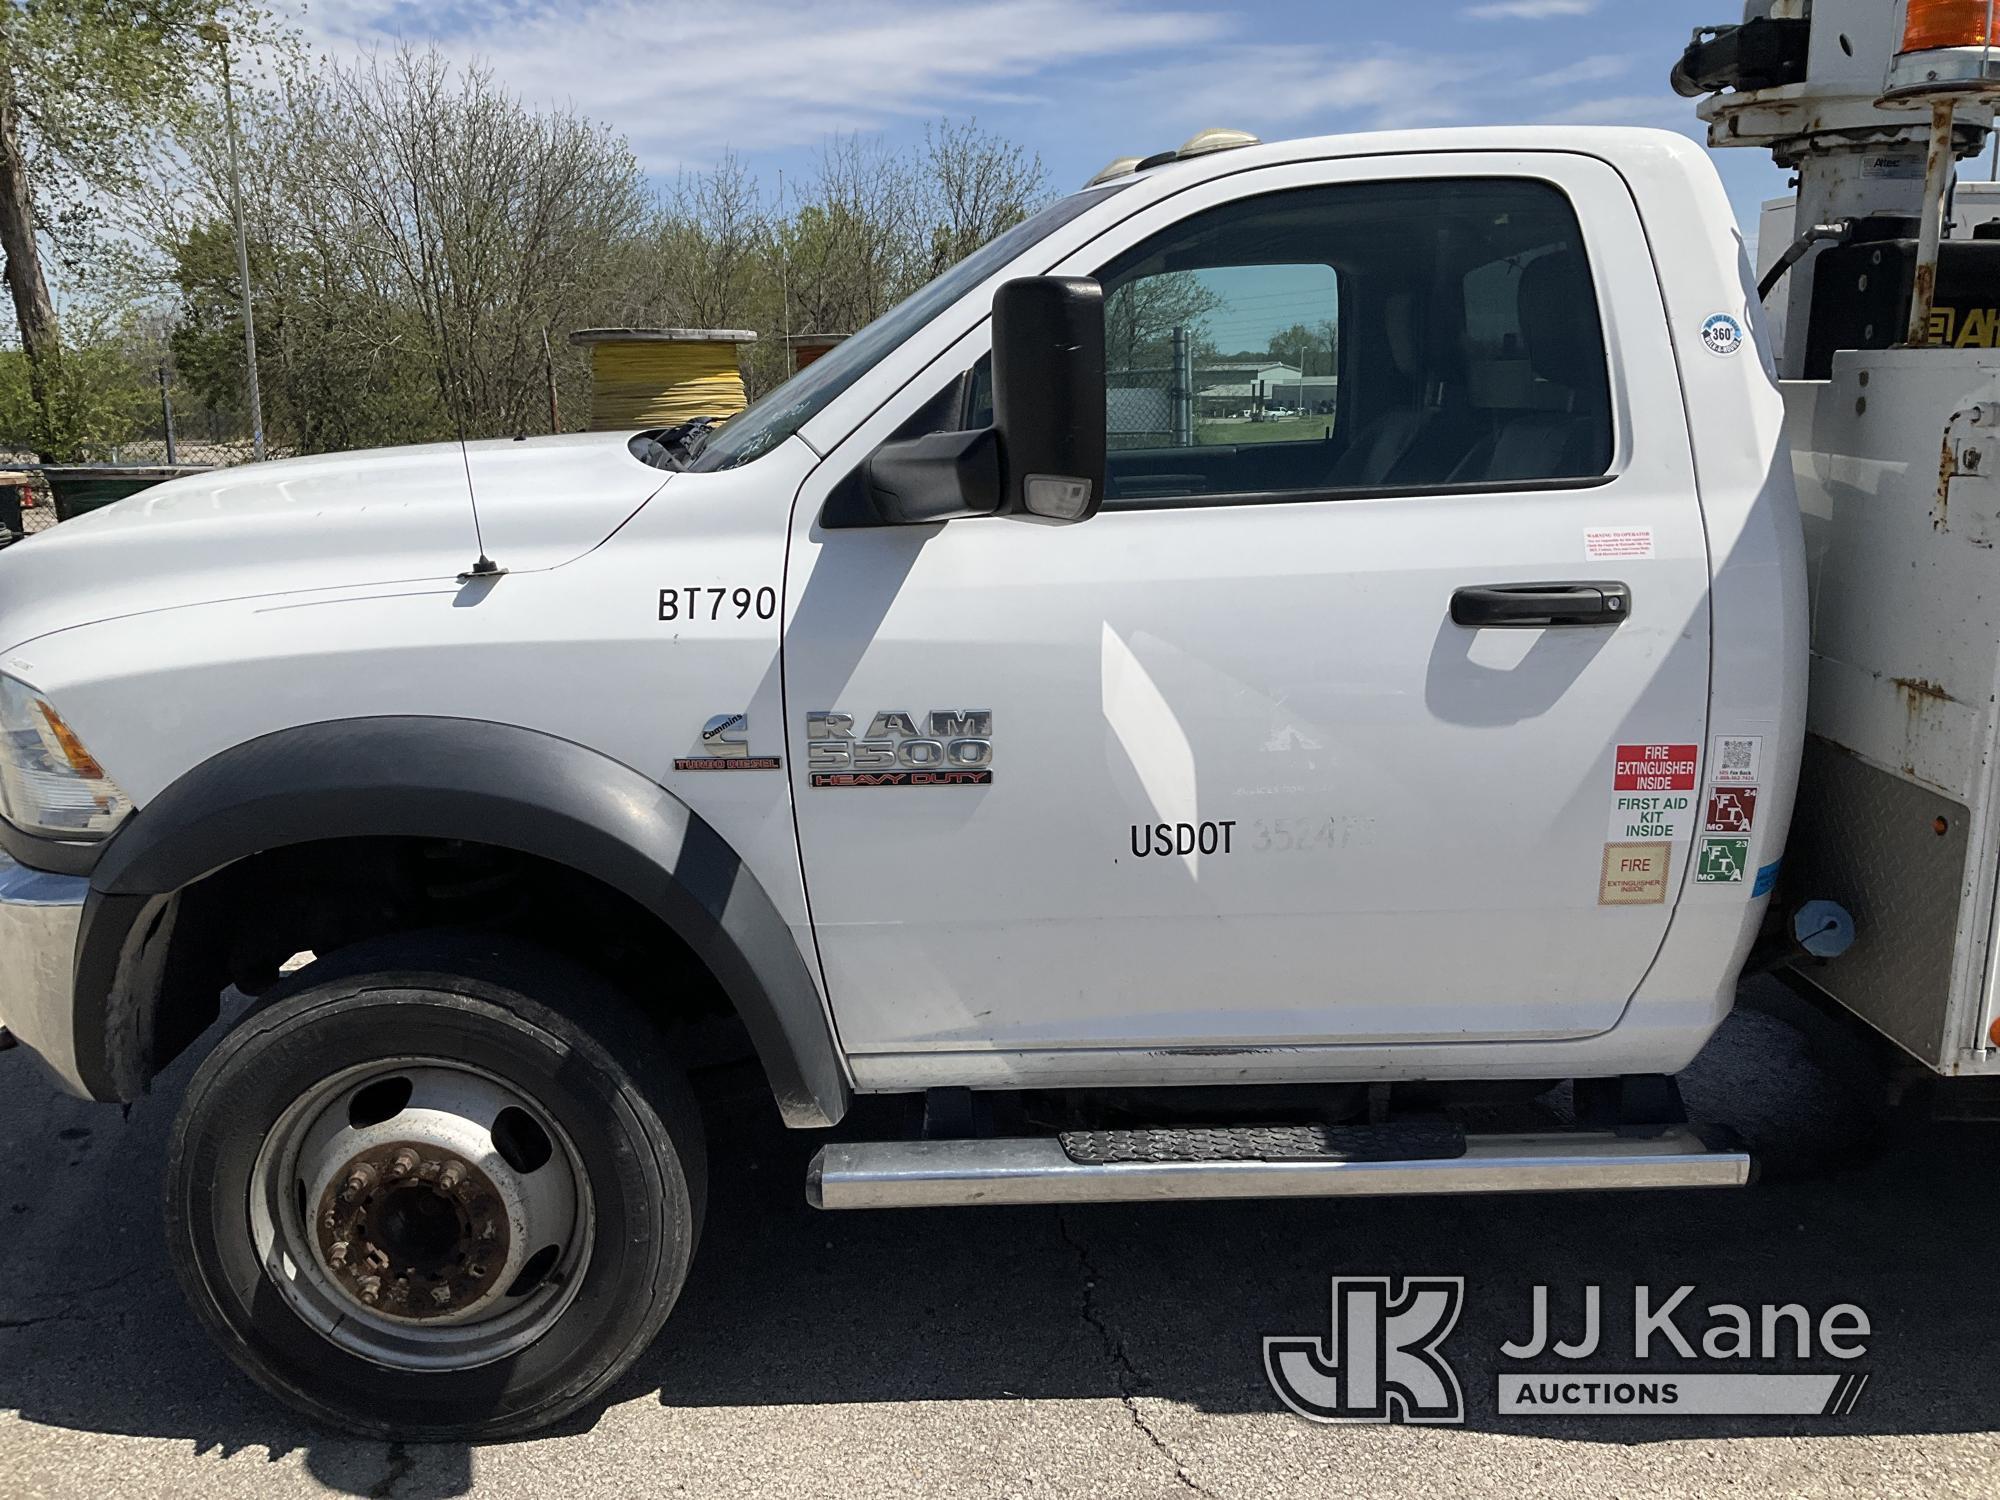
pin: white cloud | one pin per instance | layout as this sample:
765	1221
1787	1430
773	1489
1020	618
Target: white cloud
1664	110
1529	10
1284	88
684	81
1597	69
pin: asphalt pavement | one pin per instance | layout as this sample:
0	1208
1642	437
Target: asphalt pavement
1106	1351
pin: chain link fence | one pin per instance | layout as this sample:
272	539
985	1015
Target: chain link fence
1202	405
170	427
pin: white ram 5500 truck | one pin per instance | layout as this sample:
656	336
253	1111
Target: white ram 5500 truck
945	749
1191	775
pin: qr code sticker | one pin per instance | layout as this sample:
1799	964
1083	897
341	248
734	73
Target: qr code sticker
1735	760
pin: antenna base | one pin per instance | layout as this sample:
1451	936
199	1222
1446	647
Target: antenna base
486	567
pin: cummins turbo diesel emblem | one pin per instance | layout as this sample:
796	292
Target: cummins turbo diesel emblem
954	748
725	746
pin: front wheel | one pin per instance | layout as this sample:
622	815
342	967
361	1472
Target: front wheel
436	1187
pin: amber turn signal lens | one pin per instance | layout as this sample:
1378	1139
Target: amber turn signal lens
80	760
1929	24
1993	1031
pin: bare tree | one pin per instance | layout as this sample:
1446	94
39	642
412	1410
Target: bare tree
847	243
495	219
412	217
415	231
974	185
1140	317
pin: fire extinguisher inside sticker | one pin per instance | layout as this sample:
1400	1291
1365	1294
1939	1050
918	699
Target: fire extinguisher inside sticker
1634	874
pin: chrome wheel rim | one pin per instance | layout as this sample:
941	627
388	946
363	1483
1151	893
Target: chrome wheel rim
422	1214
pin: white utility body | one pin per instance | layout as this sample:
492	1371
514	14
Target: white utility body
1192	771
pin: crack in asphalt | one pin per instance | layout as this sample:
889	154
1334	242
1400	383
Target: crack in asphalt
1129	1379
69	1312
9	1324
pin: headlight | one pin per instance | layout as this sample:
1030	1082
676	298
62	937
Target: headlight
50	784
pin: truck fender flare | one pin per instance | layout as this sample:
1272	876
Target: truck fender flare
485	783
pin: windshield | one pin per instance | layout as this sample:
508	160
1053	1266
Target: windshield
788	408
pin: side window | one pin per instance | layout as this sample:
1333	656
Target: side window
1222	356
1360	337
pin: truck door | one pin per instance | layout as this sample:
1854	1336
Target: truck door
1270	753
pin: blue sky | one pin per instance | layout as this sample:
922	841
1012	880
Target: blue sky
1079	81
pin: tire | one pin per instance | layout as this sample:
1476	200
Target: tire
598	1151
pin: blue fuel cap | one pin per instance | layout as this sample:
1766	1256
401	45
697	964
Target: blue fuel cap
1825	929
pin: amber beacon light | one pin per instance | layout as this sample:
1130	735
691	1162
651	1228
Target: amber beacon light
1947	53
1932	24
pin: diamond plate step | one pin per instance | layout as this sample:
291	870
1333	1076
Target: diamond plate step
1399	1140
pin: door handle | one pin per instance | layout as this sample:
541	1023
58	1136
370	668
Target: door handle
1526	606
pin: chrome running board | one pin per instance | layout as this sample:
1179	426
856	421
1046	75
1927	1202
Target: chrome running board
937	1174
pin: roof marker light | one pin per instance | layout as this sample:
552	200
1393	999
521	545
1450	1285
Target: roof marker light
1119	166
1215	138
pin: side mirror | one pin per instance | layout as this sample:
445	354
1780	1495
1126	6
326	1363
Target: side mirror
1048	396
1044	454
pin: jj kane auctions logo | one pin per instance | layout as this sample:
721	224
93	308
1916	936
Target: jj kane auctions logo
1382	1359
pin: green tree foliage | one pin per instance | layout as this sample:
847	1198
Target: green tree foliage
98	88
90	93
415	231
99	388
1316	350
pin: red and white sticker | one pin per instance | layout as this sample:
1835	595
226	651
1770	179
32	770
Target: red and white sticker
1734	759
1652	794
1613	543
1731	809
1655	768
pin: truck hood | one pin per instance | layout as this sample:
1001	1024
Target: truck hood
338	520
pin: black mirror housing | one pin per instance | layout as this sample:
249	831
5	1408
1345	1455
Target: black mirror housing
1044	454
1048	396
941	476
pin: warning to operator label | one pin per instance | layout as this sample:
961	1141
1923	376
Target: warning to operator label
1654	768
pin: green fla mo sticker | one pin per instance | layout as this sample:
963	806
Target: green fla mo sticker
1722	861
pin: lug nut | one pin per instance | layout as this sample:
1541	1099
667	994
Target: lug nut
441	1295
452	1175
359	1181
338	1253
371	1288
404	1163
